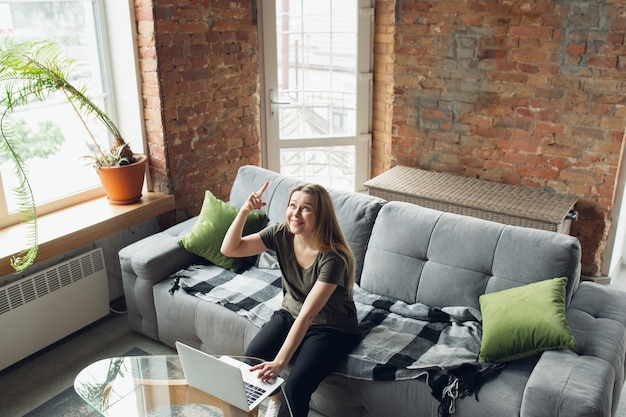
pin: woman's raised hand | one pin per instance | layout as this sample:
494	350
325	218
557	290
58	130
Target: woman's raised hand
234	244
255	200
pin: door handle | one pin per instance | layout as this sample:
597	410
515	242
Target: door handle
274	102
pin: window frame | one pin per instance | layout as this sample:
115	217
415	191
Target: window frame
116	31
362	139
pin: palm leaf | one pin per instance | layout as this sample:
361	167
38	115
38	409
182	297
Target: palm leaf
26	202
33	71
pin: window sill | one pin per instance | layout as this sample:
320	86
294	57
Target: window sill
78	225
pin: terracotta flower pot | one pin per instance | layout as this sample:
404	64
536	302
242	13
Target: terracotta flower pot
124	184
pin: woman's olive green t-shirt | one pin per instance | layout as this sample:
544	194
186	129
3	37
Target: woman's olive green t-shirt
339	312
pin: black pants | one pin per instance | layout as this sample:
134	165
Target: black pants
317	356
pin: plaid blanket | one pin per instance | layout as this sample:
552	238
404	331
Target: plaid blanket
256	293
403	341
399	341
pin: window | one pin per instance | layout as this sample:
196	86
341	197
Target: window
54	139
317	69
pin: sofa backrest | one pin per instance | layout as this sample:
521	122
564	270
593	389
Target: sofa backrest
416	254
356	212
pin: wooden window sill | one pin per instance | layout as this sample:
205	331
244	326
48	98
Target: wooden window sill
78	225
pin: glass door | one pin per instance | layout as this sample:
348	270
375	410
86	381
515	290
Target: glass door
317	76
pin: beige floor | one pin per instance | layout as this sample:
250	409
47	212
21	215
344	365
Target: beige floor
33	381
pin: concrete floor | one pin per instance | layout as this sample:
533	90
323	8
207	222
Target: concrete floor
33	381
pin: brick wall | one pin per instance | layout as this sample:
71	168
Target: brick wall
523	92
200	69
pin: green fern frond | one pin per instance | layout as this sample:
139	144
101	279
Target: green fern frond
28	212
33	71
26	204
18	91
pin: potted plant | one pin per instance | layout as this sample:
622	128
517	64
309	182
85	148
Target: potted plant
30	72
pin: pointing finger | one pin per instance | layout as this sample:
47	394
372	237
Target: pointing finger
263	188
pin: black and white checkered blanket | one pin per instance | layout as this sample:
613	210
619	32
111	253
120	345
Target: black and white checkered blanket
256	293
398	340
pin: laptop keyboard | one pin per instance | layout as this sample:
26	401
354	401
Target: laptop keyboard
253	392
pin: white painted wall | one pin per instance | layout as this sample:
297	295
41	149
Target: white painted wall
615	252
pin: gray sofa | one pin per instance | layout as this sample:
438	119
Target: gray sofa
413	254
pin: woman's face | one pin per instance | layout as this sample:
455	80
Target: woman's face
300	213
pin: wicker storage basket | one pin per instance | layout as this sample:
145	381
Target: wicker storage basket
508	204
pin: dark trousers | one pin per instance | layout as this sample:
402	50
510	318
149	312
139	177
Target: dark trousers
317	356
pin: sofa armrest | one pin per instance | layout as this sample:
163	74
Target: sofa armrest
146	262
586	380
565	384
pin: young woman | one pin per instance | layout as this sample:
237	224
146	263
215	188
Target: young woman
317	324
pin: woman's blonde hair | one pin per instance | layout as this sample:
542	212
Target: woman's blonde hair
328	236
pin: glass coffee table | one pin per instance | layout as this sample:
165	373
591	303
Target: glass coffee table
147	386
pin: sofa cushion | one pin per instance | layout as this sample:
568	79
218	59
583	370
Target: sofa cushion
552	255
356	214
524	320
417	254
206	236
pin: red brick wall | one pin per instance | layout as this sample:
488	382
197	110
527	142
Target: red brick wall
200	68
522	92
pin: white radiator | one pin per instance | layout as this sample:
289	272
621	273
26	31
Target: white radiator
43	308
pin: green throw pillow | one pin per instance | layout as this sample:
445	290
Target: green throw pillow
206	236
522	321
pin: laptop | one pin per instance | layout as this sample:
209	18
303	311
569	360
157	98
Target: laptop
225	378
